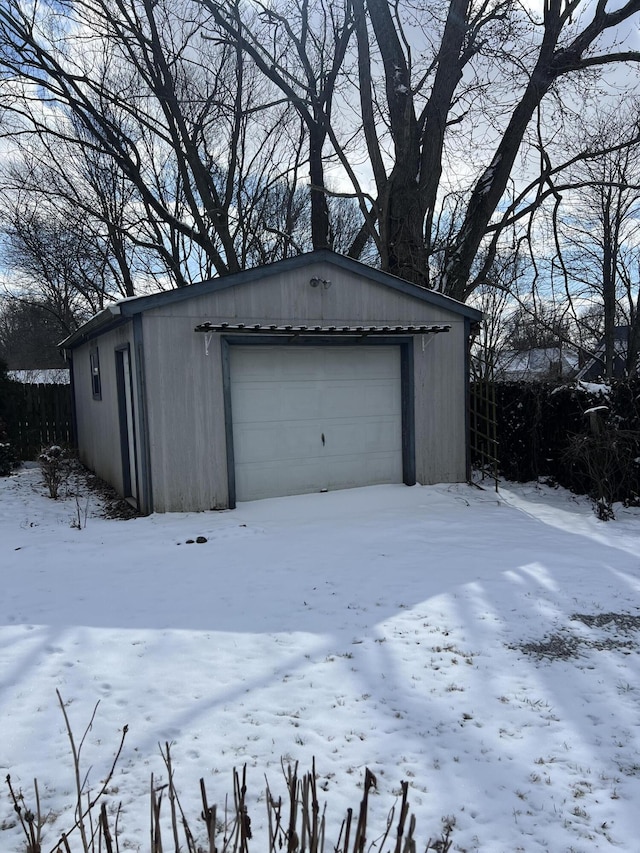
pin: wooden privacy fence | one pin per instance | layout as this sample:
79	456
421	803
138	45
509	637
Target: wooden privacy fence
39	416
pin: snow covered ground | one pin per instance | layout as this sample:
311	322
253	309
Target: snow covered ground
482	647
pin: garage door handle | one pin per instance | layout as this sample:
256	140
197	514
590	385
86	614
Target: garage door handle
323	439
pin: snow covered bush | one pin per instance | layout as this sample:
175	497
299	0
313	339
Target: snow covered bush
55	466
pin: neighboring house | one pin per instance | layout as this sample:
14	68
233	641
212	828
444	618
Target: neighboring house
47	376
594	367
311	374
538	364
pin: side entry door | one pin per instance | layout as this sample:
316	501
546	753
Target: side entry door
127	425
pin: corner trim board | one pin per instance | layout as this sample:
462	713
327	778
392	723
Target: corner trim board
407	384
145	478
228	421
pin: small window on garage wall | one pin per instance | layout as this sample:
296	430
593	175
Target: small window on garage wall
96	385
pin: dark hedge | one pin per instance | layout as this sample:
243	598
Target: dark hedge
546	432
8	396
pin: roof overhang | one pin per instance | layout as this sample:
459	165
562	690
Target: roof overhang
108	317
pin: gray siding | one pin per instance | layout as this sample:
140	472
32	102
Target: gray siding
290	298
185	411
440	406
185	392
98	424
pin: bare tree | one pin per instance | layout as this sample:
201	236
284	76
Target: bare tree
56	262
300	48
598	243
439	119
177	135
457	96
29	335
475	39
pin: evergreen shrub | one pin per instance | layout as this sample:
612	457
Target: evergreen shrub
8	456
581	436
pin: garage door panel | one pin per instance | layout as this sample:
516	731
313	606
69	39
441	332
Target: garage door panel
349	364
298	401
312	418
269	442
266	480
368	435
275	401
347	473
362	398
382	398
284	364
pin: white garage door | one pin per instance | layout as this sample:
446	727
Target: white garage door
313	418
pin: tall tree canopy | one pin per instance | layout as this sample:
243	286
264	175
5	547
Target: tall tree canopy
232	132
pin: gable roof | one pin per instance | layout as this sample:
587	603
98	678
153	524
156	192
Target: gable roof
123	309
536	363
594	368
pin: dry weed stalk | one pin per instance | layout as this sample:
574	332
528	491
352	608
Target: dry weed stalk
84	812
301	831
31	822
606	457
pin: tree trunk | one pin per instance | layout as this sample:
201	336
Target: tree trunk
608	294
319	207
401	214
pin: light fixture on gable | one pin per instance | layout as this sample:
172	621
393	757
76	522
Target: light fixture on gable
316	282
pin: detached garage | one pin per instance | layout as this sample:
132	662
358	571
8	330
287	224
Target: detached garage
312	374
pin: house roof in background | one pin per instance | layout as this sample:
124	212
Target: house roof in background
536	363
